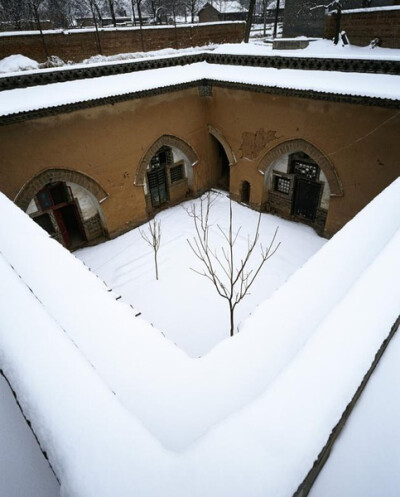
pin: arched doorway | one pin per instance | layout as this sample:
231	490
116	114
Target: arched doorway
66	203
220	164
299	181
166	172
56	210
296	187
68	212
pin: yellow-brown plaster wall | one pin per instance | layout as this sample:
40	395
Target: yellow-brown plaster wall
106	143
362	142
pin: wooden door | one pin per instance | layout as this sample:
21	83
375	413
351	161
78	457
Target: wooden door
306	198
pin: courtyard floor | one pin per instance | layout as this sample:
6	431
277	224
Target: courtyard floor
183	304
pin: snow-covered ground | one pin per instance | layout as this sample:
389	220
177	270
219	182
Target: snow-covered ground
182	304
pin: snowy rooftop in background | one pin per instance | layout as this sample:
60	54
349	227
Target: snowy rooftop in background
227	6
122	410
371	9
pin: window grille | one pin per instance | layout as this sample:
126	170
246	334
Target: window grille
282	185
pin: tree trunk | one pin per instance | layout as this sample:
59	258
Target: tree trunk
156	264
276	19
337	27
249	20
231	319
97	35
37	19
111	5
140	24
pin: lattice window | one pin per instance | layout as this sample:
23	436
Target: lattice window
282	185
305	169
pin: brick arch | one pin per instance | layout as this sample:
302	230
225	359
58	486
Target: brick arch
29	190
222	140
165	140
298	145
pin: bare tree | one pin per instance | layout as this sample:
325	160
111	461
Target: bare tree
13	11
35	8
231	278
153	238
334	6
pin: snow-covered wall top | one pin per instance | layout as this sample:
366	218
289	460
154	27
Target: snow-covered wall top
371	9
56	94
119	409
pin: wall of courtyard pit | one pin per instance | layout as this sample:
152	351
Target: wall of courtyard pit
76	46
109	143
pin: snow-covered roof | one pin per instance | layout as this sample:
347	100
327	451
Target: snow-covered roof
119	409
57	94
226	6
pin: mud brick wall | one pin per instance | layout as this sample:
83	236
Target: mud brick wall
76	46
362	27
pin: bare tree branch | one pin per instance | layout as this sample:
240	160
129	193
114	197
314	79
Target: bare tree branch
153	238
236	277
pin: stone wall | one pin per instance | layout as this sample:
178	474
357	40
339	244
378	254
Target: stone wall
363	26
81	44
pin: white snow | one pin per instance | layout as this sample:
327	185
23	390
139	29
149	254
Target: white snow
198	319
23	469
319	48
56	94
122	410
17	63
366	457
371	9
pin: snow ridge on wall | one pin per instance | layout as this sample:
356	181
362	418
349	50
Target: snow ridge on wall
124	403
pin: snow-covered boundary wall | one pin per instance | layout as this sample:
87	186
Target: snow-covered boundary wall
120	410
364	25
83	43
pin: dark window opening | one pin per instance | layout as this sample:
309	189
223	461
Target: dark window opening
245	192
176	173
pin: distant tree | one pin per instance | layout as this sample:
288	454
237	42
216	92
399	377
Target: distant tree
153	238
35	8
14	11
334	6
112	12
193	7
59	12
249	20
232	278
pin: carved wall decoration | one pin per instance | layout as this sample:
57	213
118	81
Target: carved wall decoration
254	143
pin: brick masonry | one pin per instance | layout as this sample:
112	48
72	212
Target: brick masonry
362	27
81	45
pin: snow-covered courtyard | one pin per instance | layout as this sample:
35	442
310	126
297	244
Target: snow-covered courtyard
182	304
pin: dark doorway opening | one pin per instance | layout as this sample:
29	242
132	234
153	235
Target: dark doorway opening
58	198
224	179
245	192
306	198
157	176
70	225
